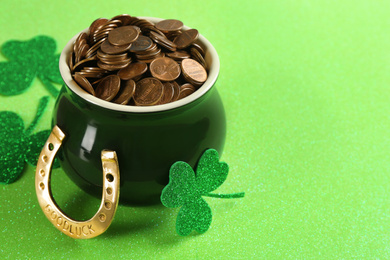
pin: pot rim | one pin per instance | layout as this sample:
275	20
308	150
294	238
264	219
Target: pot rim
211	57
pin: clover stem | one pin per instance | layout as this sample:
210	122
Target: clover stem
49	86
41	109
226	196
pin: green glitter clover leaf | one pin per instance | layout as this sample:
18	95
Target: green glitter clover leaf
17	145
27	60
185	190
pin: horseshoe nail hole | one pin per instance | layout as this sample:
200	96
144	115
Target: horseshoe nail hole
45	158
42	172
42	186
51	147
109	191
109	177
107	205
102	217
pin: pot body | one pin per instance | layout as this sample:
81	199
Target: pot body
147	144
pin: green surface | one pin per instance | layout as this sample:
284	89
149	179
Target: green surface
306	90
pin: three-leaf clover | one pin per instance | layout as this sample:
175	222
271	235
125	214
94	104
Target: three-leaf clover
185	190
27	60
17	145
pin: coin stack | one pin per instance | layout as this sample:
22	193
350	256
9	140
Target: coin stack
131	61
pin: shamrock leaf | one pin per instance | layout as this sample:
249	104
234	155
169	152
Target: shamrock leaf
180	188
194	216
210	173
17	146
12	145
185	190
27	60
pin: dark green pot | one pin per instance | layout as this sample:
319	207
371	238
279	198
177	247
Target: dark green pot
147	140
147	144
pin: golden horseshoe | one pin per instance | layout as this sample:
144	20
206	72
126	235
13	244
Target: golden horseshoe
73	228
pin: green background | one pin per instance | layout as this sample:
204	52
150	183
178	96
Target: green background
305	86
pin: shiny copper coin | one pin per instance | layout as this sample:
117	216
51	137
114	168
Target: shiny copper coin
71	61
94	69
172	35
124	18
176	90
108	48
148	92
143	24
90	62
104	56
179	55
92	51
115	61
154	29
142	43
90	74
84	83
163	41
169	25
199	48
187	85
149	55
186	90
96	24
123	35
81	39
133	70
193	70
186	38
103	31
82	52
169	92
198	56
125	93
106	28
112	67
96	82
108	87
118	62
165	69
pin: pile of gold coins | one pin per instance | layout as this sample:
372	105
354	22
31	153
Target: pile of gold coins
132	61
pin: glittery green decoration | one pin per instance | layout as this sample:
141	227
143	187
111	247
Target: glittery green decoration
27	60
185	190
17	145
